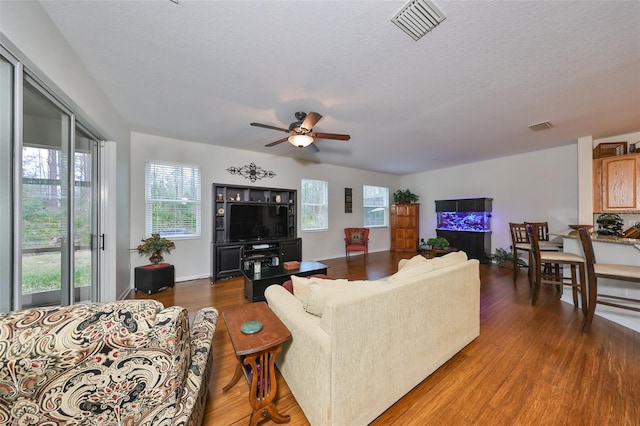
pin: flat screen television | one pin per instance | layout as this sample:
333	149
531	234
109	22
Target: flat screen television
249	222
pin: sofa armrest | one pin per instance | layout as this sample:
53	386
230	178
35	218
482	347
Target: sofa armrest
305	360
289	310
190	408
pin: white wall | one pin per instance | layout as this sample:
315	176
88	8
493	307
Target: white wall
537	186
28	33
191	257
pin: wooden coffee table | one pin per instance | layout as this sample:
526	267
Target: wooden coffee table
430	253
256	355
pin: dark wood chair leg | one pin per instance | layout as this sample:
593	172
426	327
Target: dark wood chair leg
583	290
591	305
515	264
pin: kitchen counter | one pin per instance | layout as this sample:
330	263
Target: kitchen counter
610	239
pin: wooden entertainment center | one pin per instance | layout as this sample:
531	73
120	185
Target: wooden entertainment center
251	225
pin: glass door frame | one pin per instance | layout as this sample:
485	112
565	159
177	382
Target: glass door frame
68	292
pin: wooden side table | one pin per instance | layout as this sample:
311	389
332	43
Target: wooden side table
151	278
256	355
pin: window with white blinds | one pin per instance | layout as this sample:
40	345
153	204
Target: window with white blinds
375	206
172	196
315	205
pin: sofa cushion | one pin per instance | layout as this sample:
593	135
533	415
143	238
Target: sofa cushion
449	259
356	238
288	285
319	291
415	260
322	291
300	287
410	272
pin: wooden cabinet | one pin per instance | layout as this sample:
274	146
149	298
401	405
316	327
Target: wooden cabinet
291	250
405	227
616	184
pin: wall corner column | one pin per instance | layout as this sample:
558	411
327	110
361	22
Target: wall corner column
585	180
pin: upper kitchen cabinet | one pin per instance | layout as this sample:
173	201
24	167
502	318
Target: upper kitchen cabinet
616	184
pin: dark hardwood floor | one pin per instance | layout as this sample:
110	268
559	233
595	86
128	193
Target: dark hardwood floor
530	365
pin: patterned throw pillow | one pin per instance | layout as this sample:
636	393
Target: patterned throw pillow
357	237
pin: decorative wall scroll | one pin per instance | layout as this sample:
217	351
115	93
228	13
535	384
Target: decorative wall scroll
251	172
348	200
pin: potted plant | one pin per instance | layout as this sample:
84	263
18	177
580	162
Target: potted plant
504	258
438	243
155	246
404	197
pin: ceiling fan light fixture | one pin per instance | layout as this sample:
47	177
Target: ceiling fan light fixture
301	141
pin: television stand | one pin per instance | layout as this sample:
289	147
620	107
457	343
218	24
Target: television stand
229	259
252	224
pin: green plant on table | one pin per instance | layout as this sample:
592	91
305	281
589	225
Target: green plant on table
438	243
405	197
155	246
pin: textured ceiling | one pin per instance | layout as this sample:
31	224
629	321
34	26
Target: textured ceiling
203	70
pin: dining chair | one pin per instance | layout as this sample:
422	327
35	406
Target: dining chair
554	273
543	230
520	242
605	270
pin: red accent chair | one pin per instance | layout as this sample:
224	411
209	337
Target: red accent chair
356	239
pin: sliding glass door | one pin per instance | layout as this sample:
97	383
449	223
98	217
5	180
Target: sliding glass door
50	199
85	216
7	79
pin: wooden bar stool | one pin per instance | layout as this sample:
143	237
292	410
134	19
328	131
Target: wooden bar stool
553	275
519	241
605	270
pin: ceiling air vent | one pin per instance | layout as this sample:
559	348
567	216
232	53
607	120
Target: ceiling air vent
418	17
541	126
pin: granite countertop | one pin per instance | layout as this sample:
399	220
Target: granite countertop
570	233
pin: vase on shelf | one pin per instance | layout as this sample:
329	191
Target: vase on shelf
156	258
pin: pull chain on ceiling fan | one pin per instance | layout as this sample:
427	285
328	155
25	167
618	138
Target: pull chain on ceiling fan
301	132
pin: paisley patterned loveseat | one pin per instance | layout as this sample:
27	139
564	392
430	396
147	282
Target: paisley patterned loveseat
120	363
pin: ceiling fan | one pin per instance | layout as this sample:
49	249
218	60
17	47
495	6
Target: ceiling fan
300	132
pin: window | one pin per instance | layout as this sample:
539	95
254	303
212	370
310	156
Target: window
315	207
172	195
375	205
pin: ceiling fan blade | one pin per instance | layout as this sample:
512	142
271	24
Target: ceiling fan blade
311	120
313	148
266	126
277	142
335	136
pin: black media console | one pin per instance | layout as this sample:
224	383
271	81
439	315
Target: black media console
251	225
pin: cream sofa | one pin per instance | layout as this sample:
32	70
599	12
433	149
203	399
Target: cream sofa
128	362
372	342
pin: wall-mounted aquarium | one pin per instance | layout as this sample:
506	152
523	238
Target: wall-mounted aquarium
464	221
